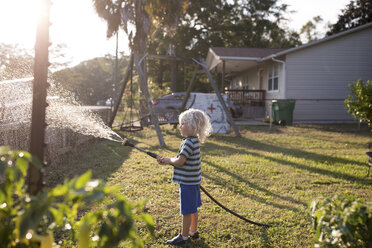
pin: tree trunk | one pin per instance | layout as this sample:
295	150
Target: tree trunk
142	24
40	85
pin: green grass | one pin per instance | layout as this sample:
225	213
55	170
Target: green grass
268	176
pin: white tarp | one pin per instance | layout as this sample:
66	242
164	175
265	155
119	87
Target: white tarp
209	103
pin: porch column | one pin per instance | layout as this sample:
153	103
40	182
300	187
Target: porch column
223	77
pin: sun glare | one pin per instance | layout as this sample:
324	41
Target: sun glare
19	20
74	23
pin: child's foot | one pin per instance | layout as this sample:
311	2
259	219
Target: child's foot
178	240
195	236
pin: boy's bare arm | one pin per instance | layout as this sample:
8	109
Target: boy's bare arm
177	161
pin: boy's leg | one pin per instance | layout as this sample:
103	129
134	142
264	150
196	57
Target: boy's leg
184	236
186	222
194	223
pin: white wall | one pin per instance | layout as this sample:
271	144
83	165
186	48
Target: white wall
323	71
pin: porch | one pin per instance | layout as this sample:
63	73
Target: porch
252	102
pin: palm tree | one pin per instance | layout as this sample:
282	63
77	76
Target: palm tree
143	14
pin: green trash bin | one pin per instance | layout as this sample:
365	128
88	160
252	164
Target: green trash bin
282	110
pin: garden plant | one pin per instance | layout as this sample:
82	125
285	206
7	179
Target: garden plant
60	215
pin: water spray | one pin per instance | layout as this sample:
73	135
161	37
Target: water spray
127	142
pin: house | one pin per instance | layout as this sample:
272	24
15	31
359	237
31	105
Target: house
316	75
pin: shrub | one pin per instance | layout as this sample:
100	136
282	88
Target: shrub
56	213
342	221
359	103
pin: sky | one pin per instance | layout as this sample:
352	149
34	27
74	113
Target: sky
75	24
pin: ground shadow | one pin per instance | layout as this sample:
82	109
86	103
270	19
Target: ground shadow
244	142
265	238
82	159
235	189
340	128
198	243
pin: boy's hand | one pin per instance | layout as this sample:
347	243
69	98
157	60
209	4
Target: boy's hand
158	159
164	161
161	160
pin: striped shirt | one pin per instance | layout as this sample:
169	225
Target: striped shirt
190	172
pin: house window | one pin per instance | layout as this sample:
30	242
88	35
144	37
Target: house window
273	79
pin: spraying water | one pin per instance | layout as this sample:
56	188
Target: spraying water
63	110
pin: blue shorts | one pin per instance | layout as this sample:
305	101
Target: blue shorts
189	198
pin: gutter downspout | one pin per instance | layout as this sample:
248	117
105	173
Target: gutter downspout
284	78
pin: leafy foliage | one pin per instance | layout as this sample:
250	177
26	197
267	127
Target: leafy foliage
356	13
309	29
220	23
216	23
342	221
359	103
142	14
91	80
33	221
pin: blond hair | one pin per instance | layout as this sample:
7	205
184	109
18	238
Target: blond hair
198	122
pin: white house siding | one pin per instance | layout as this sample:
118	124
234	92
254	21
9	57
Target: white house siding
323	71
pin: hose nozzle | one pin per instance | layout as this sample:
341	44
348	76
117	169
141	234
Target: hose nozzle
126	142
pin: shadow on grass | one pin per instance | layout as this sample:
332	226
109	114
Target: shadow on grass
198	243
340	128
233	188
244	142
101	157
265	238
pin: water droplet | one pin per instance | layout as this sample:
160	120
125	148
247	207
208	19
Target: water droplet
63	112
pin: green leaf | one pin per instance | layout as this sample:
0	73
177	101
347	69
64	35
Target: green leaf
22	165
83	179
59	190
149	222
57	215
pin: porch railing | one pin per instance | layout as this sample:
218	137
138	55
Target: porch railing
247	97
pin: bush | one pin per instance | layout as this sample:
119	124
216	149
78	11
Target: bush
56	213
342	221
359	103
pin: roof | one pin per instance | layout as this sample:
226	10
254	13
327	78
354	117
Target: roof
245	52
238	59
313	43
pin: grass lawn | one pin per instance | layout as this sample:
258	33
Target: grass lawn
268	176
